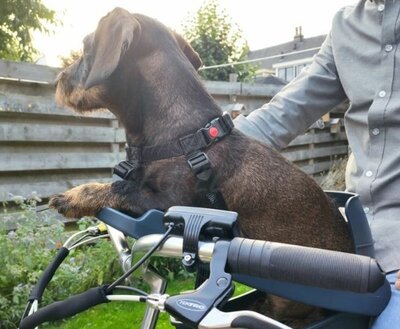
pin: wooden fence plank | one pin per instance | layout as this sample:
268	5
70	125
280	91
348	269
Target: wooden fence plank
315	153
316	167
223	88
48	161
36	105
18	132
241	89
318	138
261	90
28	72
44	189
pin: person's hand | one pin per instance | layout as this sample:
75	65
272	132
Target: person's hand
397	284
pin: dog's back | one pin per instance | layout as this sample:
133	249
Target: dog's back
278	202
275	199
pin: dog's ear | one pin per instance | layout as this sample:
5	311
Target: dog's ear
189	52
112	39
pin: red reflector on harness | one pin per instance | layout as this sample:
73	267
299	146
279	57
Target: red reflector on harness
213	132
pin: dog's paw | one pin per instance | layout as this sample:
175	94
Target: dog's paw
61	203
67	206
77	202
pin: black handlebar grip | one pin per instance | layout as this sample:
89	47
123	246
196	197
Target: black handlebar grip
303	265
47	275
66	308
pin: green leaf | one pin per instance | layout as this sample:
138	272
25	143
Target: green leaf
18	19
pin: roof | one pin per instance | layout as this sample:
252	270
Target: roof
296	44
271	80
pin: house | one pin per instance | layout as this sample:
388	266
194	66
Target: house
282	63
286	60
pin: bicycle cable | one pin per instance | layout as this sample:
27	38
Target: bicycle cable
133	289
112	286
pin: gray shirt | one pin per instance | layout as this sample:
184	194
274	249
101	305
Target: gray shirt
358	60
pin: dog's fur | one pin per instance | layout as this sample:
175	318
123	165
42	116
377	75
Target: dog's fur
146	75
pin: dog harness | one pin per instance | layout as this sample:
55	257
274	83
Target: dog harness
192	146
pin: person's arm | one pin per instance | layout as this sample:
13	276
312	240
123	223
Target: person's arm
299	104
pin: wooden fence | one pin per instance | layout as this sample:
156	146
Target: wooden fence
46	149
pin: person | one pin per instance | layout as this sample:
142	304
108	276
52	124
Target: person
358	60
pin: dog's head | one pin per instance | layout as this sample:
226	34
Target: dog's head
113	58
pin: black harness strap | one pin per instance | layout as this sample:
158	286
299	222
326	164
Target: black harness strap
192	147
214	131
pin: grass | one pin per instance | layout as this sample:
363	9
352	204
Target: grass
121	315
124	315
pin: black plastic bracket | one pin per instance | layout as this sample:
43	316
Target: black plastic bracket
210	223
151	222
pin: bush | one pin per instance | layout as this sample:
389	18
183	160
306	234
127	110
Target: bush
25	253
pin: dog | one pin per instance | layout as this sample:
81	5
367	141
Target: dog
146	75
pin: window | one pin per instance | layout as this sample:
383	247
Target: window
282	73
299	68
288	73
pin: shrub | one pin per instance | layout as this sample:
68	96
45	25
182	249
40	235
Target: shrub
25	253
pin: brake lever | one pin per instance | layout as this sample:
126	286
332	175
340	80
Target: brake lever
190	308
217	319
199	309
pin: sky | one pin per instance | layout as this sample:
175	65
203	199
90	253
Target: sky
264	23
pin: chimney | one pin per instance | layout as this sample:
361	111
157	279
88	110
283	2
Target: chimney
298	34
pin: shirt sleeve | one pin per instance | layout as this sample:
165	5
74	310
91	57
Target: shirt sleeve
314	92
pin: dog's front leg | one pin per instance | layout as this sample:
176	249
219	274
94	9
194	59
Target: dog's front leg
83	200
89	199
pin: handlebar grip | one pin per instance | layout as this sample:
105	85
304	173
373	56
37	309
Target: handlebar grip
67	308
47	275
303	265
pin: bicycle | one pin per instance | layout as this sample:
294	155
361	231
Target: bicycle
351	286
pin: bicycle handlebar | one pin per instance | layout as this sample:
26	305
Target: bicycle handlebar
67	308
304	265
47	275
284	262
262	259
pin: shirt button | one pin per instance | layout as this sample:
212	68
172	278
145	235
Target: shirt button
366	210
368	173
388	48
382	93
375	131
381	7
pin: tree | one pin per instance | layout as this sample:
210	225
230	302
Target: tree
68	60
18	19
218	41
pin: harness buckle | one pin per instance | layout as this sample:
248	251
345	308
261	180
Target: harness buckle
200	165
124	169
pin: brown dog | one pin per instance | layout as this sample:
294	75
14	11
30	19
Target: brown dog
146	75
